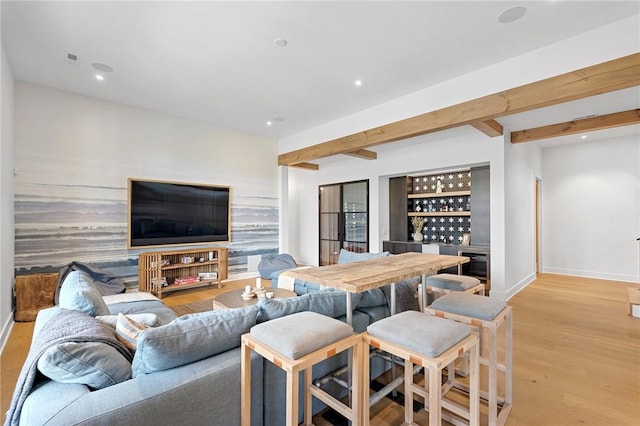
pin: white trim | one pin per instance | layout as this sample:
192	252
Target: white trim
6	332
506	295
592	274
242	276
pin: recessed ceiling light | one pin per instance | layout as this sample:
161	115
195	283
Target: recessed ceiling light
102	67
99	77
512	14
269	123
280	42
358	83
583	137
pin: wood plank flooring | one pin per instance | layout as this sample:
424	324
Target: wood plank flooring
576	355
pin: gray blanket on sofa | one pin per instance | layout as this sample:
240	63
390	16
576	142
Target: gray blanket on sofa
64	326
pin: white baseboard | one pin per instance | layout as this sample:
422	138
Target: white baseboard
592	274
506	295
6	332
243	276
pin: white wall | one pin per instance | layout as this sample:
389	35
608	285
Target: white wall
591	209
522	167
6	198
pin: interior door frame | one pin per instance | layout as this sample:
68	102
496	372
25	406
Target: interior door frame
538	225
341	221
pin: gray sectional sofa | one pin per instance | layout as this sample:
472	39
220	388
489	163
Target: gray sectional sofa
184	370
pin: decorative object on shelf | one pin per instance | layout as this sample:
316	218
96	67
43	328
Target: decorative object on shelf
439	186
418	223
466	239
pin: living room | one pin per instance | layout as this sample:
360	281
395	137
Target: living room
66	158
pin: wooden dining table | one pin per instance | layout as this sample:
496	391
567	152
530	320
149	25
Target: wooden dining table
357	277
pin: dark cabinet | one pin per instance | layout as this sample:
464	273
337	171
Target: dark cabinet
399	247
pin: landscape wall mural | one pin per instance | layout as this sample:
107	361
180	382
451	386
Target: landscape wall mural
74	154
55	225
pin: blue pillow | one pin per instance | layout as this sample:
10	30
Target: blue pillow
329	302
79	294
191	338
275	262
347	256
94	364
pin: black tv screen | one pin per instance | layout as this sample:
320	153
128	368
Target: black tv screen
172	213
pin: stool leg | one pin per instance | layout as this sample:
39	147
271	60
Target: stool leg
292	398
493	378
245	393
366	405
474	386
307	396
435	412
408	392
357	389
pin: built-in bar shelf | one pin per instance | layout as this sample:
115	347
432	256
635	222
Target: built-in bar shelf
440	194
429	214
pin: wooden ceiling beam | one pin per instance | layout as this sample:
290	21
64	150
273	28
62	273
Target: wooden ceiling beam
306	166
363	153
610	76
490	128
623	118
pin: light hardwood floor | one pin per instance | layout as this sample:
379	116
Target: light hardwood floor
576	355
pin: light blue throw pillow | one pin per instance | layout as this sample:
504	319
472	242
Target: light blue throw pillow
94	364
191	338
347	256
329	302
79	294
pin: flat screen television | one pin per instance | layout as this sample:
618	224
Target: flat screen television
173	213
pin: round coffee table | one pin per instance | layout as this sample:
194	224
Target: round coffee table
233	299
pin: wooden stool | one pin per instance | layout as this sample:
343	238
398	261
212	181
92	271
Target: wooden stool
296	343
487	314
432	343
446	283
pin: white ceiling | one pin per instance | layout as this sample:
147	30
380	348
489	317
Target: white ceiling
217	61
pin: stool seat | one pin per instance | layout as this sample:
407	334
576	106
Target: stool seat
452	282
300	334
425	334
469	305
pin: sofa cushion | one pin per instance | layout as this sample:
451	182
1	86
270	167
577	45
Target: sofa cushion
347	256
94	364
190	338
148	319
78	293
128	331
373	297
329	302
275	262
